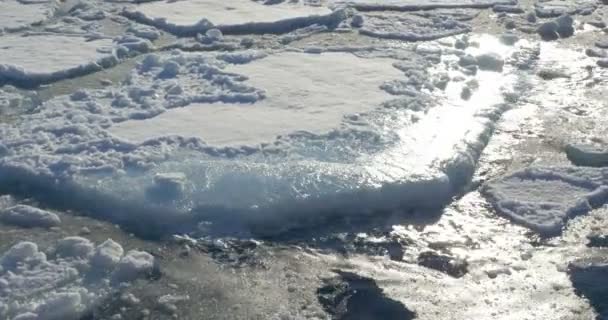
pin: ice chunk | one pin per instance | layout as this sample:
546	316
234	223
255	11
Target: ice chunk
64	305
133	265
410	27
240	16
16	15
29	217
32	60
587	155
544	199
74	247
21	253
107	255
490	61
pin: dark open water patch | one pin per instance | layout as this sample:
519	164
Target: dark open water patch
591	282
352	297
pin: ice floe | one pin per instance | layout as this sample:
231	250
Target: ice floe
587	155
415	5
555	8
225	139
545	198
64	283
191	17
32	60
17	15
410	27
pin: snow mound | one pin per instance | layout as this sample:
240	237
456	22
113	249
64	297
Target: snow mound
29	217
587	155
34	286
17	15
33	60
192	17
544	199
416	5
409	27
107	255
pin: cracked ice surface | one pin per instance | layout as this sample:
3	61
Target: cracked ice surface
15	15
42	58
334	156
244	16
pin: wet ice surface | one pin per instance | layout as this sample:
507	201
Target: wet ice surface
333	170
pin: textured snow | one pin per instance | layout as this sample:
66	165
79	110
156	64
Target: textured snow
239	16
62	285
347	85
544	199
43	58
29	217
414	5
15	15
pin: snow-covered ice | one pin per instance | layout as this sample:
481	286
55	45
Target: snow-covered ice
545	198
239	16
31	60
16	15
29	217
65	283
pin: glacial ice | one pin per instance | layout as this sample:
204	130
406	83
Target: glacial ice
192	17
17	15
244	149
545	198
61	285
38	59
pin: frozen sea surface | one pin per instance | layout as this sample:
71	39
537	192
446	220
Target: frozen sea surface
16	15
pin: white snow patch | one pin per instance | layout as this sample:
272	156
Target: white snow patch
544	199
29	217
340	84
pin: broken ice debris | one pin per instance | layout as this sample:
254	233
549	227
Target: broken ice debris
29	217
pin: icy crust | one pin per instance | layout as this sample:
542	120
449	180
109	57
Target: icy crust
194	17
16	15
67	281
415	5
28	61
411	27
66	155
544	199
